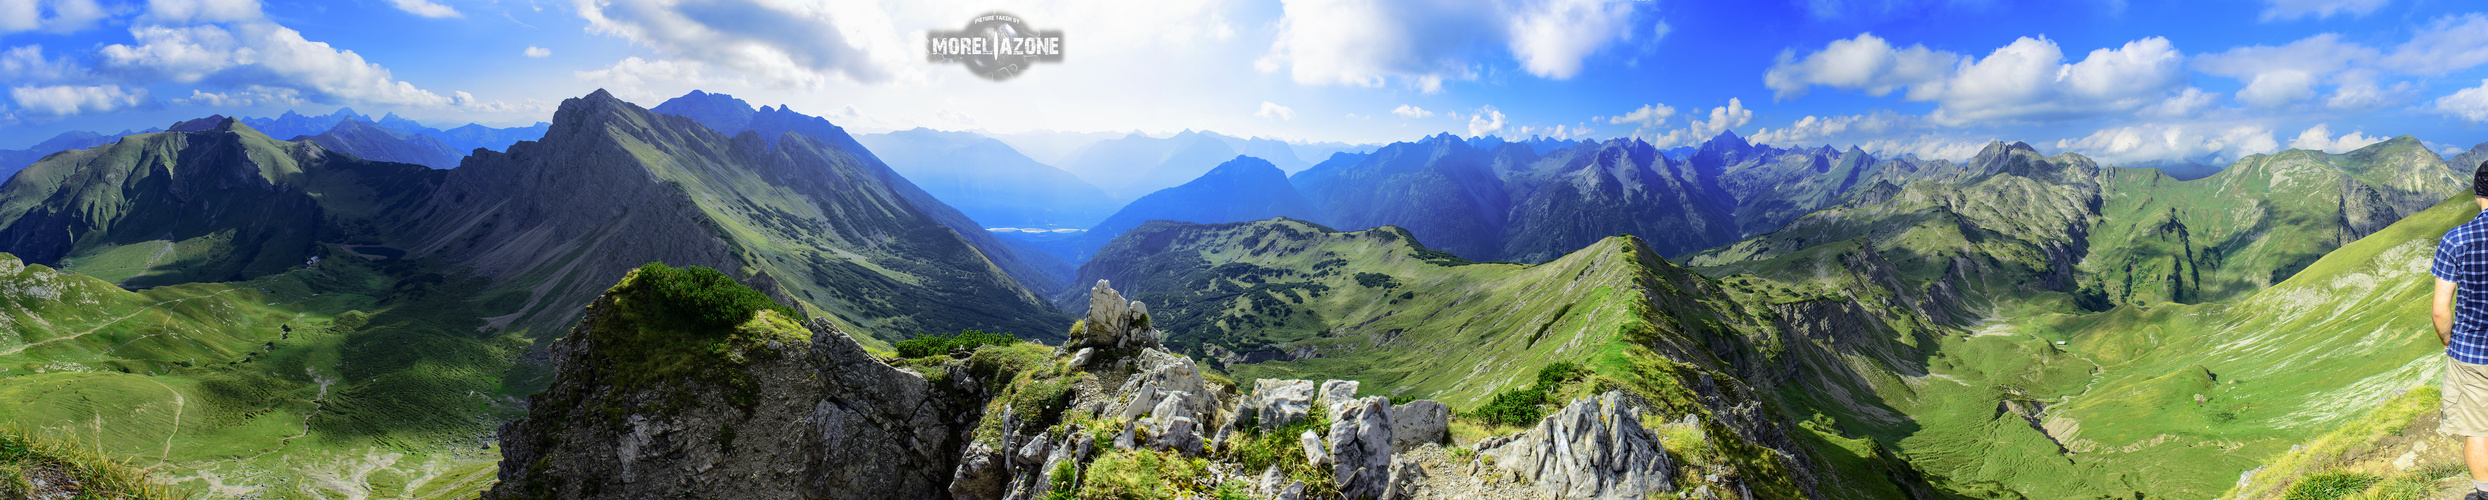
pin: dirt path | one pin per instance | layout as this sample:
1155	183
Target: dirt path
115	321
179	404
317	403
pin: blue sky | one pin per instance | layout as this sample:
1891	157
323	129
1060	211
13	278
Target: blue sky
2121	81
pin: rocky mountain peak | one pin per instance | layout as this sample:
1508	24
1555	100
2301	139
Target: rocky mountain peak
210	123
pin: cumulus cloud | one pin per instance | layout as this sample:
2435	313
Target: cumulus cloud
2276	10
2446	45
2319	137
26	63
258	54
1407	111
1651	123
2025	80
1426	42
201	11
241	98
1650	116
1927	147
1274	111
1813	130
2286	74
2213	144
2468	104
796	44
425	8
75	99
2187	103
1864	63
58	16
539	52
1486	121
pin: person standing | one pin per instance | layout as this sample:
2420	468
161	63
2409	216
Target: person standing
2461	319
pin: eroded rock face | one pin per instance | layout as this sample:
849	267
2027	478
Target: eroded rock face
1336	394
1114	323
1277	403
822	419
1594	448
1419	422
1360	448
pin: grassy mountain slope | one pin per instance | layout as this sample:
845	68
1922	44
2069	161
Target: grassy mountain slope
802	220
1291	299
2056	229
219	202
337	380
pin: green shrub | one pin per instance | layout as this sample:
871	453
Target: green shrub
2329	485
1524	407
1064	483
1376	280
704	298
937	344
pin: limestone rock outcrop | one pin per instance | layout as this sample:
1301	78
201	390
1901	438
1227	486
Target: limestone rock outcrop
1276	403
1360	448
1113	323
1419	422
1594	448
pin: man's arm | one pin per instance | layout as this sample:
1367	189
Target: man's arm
2443	315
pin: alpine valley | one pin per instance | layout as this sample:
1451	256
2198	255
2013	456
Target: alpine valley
706	299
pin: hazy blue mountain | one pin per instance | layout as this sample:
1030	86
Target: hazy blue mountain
466	138
1544	145
1441	189
1275	151
989	181
1051	147
1316	151
372	142
2186	170
726	114
292	124
1590	191
1137	164
1242	189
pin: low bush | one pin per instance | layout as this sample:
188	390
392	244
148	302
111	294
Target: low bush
938	344
704	298
1144	474
1524	407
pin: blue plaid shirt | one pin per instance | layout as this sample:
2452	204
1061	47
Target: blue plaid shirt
2462	258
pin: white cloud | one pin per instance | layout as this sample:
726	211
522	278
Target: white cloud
2213	144
26	63
201	11
2319	137
1407	111
1651	116
1486	121
2468	104
258	54
2187	103
1651	123
1274	111
1926	147
2292	9
533	51
241	98
2284	75
2448	44
1864	63
425	8
2025	80
75	99
793	44
65	15
1426	42
1550	37
1812	130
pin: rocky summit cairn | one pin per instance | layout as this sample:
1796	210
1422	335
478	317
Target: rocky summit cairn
1113	323
1594	448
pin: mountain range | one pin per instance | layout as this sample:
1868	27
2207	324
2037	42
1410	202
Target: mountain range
989	181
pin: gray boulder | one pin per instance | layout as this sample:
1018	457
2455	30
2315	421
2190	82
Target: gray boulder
1281	402
1113	322
1360	448
1314	453
1594	448
1336	394
1419	422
